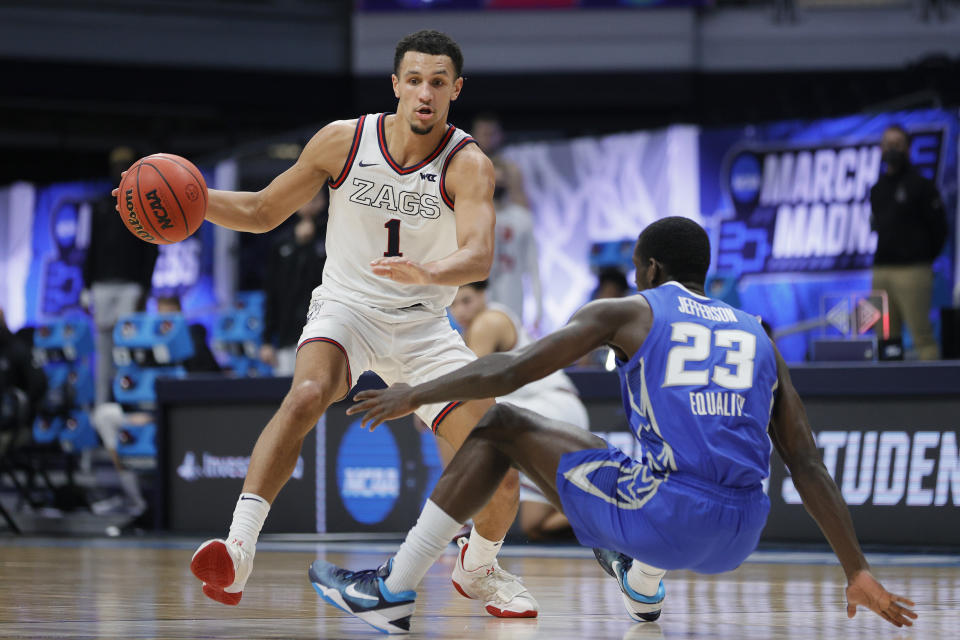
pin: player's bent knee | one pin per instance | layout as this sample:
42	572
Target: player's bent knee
501	416
308	400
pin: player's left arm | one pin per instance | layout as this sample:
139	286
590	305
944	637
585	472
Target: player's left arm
498	374
793	438
469	181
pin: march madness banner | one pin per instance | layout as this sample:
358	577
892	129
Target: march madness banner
790	208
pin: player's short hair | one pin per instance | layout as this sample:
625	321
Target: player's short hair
899	129
429	41
680	245
480	285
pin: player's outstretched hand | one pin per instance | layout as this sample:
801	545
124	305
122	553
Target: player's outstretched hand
865	591
116	190
381	405
402	270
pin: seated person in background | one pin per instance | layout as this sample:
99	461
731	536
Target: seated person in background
724	287
22	385
109	417
294	269
489	327
202	360
611	283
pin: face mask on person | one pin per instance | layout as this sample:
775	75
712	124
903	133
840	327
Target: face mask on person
894	158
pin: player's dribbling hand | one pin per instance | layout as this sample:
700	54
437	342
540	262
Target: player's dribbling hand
381	405
401	270
865	591
116	190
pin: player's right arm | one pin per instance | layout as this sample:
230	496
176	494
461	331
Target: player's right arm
616	322
793	438
263	210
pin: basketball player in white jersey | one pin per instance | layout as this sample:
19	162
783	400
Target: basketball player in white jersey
411	218
489	327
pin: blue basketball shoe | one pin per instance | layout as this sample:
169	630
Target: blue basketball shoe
364	595
640	608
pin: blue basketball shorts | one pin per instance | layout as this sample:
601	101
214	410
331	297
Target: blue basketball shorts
670	522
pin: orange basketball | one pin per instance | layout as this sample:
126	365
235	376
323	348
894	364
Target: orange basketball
163	198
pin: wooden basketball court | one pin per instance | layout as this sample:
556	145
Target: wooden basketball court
123	588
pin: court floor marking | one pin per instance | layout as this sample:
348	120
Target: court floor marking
762	556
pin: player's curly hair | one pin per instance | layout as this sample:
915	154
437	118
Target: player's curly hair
680	245
435	43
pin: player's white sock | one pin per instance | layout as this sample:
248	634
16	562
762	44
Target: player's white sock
248	519
424	544
644	579
480	551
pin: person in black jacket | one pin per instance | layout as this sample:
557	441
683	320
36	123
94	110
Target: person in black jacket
911	226
22	385
294	269
116	272
109	418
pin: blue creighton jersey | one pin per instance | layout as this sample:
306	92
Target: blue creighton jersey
699	391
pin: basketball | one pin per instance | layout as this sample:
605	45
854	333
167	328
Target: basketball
162	198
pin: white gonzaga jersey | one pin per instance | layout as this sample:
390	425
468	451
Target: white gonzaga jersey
556	381
378	209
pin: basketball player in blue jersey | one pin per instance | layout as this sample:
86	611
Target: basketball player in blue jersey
411	219
704	390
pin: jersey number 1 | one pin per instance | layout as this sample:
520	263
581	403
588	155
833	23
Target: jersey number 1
393	239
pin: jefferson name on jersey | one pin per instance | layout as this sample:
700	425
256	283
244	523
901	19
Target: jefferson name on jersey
384	196
691	307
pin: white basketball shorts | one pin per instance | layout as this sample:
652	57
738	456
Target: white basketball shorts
411	352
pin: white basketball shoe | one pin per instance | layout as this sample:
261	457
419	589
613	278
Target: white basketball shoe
502	593
224	568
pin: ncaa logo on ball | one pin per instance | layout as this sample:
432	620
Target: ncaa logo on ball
159	211
192	192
